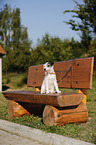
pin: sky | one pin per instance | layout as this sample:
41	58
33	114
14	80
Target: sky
45	16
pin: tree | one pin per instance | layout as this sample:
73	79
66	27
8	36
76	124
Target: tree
92	51
86	13
54	49
14	40
5	26
48	49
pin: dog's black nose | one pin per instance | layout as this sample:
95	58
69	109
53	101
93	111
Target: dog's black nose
44	69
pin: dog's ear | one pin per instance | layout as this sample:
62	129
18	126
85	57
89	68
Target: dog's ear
51	63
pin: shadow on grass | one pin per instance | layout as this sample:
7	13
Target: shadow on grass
5	87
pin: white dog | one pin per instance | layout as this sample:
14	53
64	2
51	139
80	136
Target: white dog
49	84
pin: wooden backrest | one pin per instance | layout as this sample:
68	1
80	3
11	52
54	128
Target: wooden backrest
75	73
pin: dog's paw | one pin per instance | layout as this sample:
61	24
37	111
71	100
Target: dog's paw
53	92
42	92
59	92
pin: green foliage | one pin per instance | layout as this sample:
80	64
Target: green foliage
54	49
14	40
19	54
16	81
86	14
7	80
23	81
92	51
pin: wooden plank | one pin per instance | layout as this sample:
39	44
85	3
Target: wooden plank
35	76
79	77
61	100
82	73
53	116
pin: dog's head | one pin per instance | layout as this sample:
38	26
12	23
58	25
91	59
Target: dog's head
48	67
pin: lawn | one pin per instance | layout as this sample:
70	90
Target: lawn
84	131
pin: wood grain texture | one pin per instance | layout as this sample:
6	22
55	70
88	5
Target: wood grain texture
79	77
53	116
18	109
63	99
15	110
84	92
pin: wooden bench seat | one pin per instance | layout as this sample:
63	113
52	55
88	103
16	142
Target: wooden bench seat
59	100
59	108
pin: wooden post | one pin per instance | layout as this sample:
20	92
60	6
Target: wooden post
0	75
83	91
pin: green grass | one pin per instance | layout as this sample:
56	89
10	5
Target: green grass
84	131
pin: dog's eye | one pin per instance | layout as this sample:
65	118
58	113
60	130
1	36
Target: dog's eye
48	65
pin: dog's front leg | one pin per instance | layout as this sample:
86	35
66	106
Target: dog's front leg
56	85
47	87
43	88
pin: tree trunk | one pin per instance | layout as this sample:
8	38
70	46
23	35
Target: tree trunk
22	109
53	116
16	110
